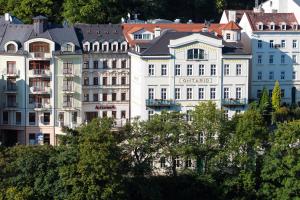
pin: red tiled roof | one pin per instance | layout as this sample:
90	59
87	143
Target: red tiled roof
267	18
131	28
232	26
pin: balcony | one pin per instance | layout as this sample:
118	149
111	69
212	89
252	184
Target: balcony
40	73
11	89
13	74
10	105
234	102
40	55
68	89
40	90
159	103
41	106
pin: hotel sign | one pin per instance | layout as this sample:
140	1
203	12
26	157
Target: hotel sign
105	107
195	80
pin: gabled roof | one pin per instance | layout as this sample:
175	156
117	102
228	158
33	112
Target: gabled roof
267	18
232	26
239	14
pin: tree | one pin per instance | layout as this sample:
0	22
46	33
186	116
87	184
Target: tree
281	166
276	96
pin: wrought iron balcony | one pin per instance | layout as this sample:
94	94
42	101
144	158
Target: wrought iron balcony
40	72
11	88
160	103
234	102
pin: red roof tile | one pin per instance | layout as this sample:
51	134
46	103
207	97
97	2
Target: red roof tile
232	26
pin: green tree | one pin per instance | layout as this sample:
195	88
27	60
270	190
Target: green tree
281	166
276	96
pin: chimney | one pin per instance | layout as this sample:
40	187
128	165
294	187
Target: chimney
157	32
232	15
40	24
177	21
7	17
190	21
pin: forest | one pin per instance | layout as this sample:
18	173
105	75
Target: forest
205	155
111	11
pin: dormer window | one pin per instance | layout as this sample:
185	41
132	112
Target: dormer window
144	36
115	46
69	47
11	48
86	46
260	26
195	54
105	47
96	47
228	36
283	26
272	26
295	26
124	46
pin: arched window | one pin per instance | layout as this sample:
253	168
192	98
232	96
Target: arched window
69	48
11	48
195	54
41	47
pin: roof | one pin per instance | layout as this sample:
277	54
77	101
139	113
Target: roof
267	18
13	20
239	14
197	27
232	26
99	32
235	48
22	33
39	17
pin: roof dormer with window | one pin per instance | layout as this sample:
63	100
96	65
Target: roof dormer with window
283	26
295	26
260	26
272	26
68	47
11	47
86	46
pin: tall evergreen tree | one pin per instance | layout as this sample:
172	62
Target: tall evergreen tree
276	96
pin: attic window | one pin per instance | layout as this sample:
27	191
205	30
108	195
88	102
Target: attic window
272	26
68	48
283	26
295	26
11	48
195	54
115	47
260	26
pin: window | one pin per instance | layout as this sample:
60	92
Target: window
114	64
138	36
294	75
74	117
86	97
11	67
272	26
195	54
238	69
271	44
295	44
201	70
282	75
260	26
114	96
105	47
151	93
96	64
258	94
123	47
177	93
18	118
188	163
150	114
283	43
123	114
114	47
271	59
238	93
259	44
95	97
123	96
146	36
162	162
283	27
46	139
123	64
228	36
294	59
226	70
201	138
104	97
114	114
189	71
164	70
212	93
104	81
104	114
271	75
114	80
189	93
104	63
86	81
123	80
282	60
96	47
295	26
46	118
189	115
32	140
259	59
226	93
31	118
96	81
282	93
163	93
151	70
40	47
11	48
5	117
213	70
86	65
259	75
201	93
177	70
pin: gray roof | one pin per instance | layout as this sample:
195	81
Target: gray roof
235	48
13	20
22	33
99	32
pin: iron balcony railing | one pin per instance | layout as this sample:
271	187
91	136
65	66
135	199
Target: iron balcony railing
160	103
234	102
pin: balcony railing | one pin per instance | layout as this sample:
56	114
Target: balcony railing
68	88
234	102
35	89
68	71
11	88
40	72
160	103
10	105
67	104
42	106
13	73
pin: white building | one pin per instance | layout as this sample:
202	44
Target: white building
180	69
274	38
